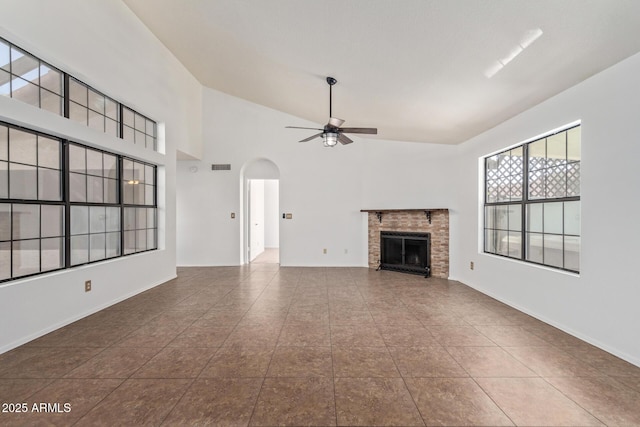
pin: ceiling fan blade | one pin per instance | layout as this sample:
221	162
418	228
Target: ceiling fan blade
335	122
369	131
344	139
296	127
311	137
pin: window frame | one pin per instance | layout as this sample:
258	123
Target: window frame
524	202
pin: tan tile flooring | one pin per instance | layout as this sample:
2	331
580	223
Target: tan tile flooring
269	256
264	345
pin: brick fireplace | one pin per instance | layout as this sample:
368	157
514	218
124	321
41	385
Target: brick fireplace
434	221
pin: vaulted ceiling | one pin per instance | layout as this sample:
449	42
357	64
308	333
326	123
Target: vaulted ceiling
418	70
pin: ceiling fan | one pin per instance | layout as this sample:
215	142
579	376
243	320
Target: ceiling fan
332	133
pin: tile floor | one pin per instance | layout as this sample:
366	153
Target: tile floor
263	345
269	256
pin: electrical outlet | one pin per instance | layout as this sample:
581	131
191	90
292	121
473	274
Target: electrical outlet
324	251
471	265
87	285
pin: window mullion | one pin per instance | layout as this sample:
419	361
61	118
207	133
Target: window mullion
67	204
121	201
11	237
525	200
65	102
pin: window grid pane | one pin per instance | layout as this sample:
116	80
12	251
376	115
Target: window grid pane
92	108
139	129
503	173
28	79
31	239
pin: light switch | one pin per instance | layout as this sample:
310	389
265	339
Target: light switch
289	216
233	215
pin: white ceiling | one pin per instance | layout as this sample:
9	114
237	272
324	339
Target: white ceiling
415	69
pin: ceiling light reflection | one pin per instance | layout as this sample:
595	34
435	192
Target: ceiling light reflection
526	41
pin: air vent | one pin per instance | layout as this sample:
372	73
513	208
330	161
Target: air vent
220	167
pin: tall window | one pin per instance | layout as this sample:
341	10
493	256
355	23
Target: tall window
63	204
532	201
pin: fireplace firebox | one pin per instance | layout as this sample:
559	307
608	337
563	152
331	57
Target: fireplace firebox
405	252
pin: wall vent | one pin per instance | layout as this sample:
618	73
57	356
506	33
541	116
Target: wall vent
221	167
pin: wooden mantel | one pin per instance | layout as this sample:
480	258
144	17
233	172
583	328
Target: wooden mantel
403	210
380	212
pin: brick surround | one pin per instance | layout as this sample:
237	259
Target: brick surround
413	220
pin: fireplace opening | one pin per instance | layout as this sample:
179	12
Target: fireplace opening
406	252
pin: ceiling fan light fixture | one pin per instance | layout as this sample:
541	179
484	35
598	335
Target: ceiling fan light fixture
330	139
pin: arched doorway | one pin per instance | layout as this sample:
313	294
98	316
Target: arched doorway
260	195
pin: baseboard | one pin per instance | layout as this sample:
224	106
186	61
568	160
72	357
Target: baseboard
588	339
82	315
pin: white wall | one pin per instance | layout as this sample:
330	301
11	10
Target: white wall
408	175
271	213
105	45
601	304
321	187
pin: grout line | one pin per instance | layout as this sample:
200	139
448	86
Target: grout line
494	402
577	404
186	389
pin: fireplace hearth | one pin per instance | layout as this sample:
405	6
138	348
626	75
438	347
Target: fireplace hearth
406	252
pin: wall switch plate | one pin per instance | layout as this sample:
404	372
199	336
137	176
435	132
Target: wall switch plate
471	265
233	215
289	216
87	285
